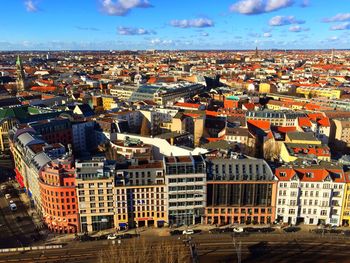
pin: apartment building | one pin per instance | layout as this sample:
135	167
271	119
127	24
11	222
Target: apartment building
310	193
276	118
340	133
185	177
140	192
240	189
58	196
95	179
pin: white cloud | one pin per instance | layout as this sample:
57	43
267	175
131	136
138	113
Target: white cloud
133	31
341	17
198	22
122	7
253	7
157	41
297	28
30	6
343	26
267	35
284	20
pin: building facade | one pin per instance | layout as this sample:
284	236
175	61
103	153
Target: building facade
95	180
239	190
311	194
58	195
186	181
141	198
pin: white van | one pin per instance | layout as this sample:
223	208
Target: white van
13	207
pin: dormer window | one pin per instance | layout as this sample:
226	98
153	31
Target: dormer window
283	174
309	175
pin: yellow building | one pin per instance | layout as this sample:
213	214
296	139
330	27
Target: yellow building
141	197
345	214
319	92
264	88
107	101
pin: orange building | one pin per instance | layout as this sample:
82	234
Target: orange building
58	195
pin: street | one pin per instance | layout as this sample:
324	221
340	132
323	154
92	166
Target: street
17	228
210	248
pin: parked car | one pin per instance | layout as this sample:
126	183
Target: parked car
266	229
238	230
291	229
7	196
112	237
13	207
3	187
11	202
188	232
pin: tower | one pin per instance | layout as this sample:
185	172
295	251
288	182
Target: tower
20	81
332	56
256	52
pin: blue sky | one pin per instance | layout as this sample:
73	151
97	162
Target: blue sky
178	24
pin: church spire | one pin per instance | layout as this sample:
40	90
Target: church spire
20	75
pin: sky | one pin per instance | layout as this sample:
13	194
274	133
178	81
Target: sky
173	24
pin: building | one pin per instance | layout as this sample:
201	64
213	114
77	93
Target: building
84	137
95	179
290	152
340	134
193	123
185	177
132	148
141	196
31	154
310	193
276	118
54	130
240	190
58	196
345	217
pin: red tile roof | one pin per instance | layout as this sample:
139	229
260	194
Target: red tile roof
304	122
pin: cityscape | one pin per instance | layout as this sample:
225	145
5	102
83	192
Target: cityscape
215	135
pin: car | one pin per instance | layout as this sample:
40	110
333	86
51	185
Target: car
112	237
188	232
238	229
11	202
13	207
291	229
3	187
7	196
266	229
251	229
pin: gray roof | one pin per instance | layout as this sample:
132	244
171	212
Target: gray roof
40	160
28	139
304	136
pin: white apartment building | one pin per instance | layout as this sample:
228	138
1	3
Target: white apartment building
310	194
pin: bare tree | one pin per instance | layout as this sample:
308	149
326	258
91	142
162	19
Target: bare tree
140	250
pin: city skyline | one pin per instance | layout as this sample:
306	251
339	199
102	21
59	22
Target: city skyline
155	24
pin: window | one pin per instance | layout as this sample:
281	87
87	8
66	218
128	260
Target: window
282	174
309	175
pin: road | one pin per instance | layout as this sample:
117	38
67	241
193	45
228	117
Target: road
209	248
17	228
